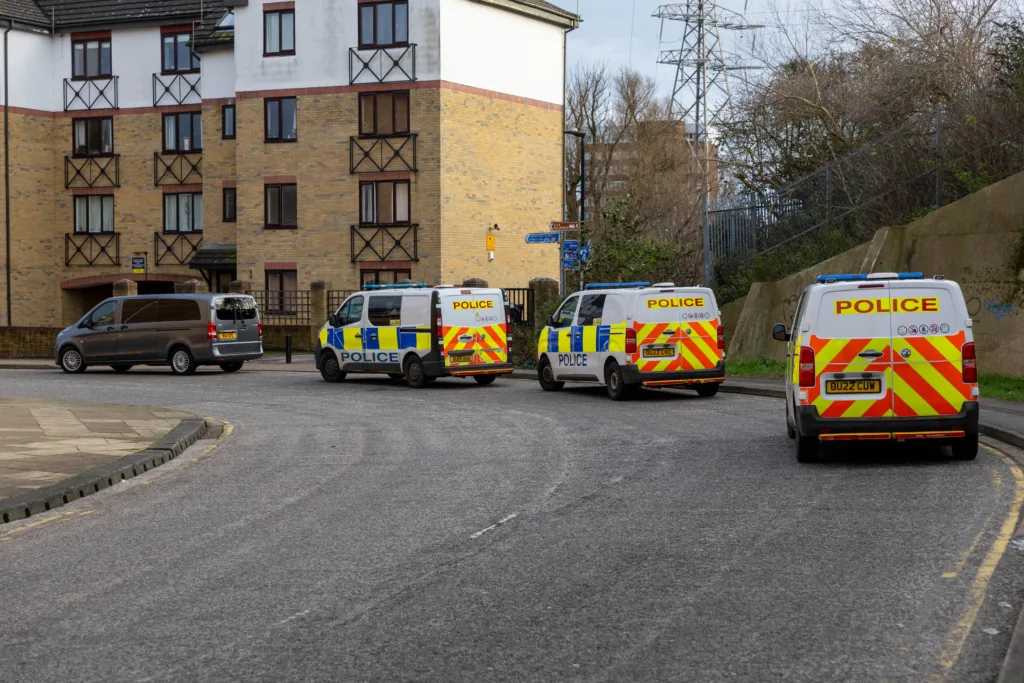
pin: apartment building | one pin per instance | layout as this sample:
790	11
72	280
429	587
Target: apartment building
275	144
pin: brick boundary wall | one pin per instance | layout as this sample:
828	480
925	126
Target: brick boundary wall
303	337
27	342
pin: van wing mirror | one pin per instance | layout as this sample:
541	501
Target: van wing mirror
779	333
551	321
333	321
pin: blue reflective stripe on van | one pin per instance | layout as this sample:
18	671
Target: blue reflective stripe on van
576	335
371	342
335	338
553	340
604	338
407	340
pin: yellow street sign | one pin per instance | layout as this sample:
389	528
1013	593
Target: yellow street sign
490	242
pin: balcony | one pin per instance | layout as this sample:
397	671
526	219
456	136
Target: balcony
382	65
385	243
174	89
176	249
92	171
378	155
97	93
177	169
92	249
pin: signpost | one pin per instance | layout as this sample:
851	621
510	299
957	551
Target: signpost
563	226
542	238
139	265
583	253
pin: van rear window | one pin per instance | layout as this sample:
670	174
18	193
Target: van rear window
236	308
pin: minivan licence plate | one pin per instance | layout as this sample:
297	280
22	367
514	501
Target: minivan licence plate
659	353
853	386
229	335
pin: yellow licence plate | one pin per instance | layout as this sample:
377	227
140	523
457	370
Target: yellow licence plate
659	353
853	386
229	335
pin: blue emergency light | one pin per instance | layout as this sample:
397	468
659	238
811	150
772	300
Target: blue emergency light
879	276
405	286
616	285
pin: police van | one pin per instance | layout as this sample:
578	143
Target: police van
886	356
627	335
418	333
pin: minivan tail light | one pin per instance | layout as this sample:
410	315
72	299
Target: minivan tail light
259	327
721	338
807	376
211	330
508	317
970	360
630	340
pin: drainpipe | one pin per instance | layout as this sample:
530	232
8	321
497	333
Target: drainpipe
7	170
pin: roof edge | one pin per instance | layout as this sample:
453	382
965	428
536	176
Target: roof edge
556	15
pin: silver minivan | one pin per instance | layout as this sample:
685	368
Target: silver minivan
180	330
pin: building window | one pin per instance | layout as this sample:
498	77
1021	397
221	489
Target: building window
281	121
282	288
385	277
383	24
227	119
282	206
279	33
384	202
183	212
91	59
93	137
230	205
384	113
183	132
177	56
94	214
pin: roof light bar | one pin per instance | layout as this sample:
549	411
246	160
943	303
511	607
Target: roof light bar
616	285
405	286
872	276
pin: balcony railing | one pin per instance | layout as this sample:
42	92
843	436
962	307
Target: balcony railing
177	169
171	89
385	243
377	155
99	93
176	248
92	249
382	65
92	171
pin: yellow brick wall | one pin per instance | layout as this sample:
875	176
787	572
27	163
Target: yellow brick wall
218	166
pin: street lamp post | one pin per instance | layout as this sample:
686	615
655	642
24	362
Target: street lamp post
582	137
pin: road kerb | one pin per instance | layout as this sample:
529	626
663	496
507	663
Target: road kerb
95	480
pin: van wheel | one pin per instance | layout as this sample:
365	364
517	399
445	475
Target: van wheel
71	361
396	375
182	362
329	368
415	377
808	449
966	448
122	368
707	390
231	367
546	376
617	388
485	379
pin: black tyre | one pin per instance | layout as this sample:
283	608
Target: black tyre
415	377
181	361
396	375
808	449
231	367
485	379
546	376
616	386
122	368
966	448
329	368
707	390
71	361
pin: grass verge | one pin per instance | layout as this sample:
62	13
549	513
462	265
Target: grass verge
1002	387
760	368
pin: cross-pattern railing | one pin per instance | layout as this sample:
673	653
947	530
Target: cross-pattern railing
176	89
385	243
283	307
92	171
177	169
336	297
377	155
90	249
176	248
383	65
99	93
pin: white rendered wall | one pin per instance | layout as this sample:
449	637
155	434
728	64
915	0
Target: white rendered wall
34	82
218	74
494	49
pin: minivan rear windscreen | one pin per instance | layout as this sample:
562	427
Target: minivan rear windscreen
236	308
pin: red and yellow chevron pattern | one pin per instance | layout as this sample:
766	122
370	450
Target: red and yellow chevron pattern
488	345
696	350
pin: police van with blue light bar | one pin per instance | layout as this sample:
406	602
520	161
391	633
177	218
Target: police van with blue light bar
418	333
881	357
631	334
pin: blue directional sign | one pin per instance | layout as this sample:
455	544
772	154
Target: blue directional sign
569	249
542	238
583	254
570	265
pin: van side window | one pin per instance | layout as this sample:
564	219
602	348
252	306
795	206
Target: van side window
138	311
104	314
178	310
591	309
352	311
799	313
236	308
566	313
385	310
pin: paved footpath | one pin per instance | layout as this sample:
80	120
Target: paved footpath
43	442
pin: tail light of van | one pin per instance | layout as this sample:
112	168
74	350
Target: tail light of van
721	338
211	330
970	360
259	327
807	375
630	340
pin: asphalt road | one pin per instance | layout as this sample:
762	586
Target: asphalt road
365	531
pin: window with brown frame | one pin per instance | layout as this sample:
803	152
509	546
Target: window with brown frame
93	137
281	289
227	120
230	205
183	212
176	55
91	59
383	24
384	202
183	132
281	206
384	277
279	33
281	120
384	113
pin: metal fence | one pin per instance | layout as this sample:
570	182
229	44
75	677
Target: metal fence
521	308
283	307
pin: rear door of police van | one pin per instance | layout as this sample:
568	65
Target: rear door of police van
852	351
676	330
929	334
473	328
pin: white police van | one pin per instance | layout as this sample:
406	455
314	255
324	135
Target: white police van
632	334
418	333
